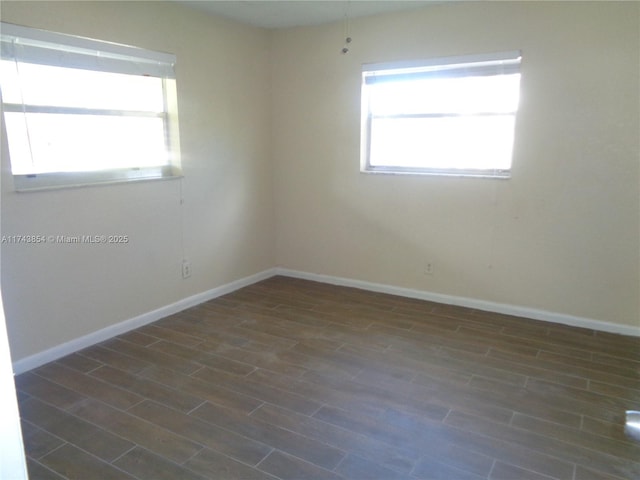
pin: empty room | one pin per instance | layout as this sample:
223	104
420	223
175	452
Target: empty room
364	240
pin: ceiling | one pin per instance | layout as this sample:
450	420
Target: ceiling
297	13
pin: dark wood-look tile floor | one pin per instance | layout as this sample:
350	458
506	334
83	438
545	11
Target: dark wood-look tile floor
291	379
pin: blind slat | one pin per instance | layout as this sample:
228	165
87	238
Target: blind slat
450	67
30	45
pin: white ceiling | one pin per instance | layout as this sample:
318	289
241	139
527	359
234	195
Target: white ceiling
284	14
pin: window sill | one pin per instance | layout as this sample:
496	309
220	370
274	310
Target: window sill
496	174
56	181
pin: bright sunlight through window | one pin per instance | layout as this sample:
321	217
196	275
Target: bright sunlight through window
77	115
451	116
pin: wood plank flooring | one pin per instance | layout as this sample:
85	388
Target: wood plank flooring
291	379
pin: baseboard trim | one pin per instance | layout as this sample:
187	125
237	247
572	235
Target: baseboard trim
46	356
484	305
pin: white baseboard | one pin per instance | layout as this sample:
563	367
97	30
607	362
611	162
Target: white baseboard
46	356
507	309
38	359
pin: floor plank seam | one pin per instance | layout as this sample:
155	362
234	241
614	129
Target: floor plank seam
351	373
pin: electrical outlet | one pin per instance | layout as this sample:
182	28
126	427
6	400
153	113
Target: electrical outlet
428	268
186	269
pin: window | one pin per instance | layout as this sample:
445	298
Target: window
447	116
80	111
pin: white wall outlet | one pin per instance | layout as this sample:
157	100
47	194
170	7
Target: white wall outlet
186	268
428	268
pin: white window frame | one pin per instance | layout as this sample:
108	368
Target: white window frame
62	50
443	67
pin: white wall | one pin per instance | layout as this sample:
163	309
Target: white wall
12	458
562	235
270	123
57	293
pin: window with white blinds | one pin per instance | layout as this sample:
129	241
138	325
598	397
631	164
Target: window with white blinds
446	116
79	111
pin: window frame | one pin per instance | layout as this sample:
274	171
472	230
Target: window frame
440	67
82	53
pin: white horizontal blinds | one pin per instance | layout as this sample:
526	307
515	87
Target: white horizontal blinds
83	111
445	116
29	45
449	67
